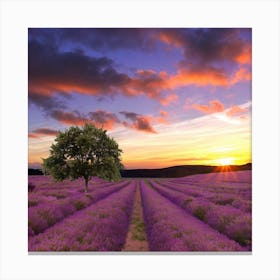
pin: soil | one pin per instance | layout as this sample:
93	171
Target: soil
136	239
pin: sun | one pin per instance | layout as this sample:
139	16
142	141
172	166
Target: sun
225	161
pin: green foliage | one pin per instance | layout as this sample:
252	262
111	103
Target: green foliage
200	213
79	205
84	152
138	231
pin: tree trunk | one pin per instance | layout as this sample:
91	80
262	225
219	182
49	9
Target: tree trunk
86	185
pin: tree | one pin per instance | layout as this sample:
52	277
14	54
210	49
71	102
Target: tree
84	152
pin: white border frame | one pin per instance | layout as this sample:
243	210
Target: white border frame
261	15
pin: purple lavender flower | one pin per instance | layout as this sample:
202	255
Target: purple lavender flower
219	217
170	228
44	215
99	227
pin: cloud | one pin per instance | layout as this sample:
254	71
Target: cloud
105	119
51	71
98	118
214	107
147	82
171	98
206	76
210	56
245	56
236	110
205	46
242	74
45	102
200	77
163	117
37	133
69	118
101	39
138	122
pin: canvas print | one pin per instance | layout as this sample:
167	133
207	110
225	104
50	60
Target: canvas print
139	140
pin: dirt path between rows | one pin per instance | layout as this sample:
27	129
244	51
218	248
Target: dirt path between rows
136	239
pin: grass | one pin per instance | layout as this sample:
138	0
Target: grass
138	229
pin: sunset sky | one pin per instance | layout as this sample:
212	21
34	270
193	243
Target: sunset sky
167	96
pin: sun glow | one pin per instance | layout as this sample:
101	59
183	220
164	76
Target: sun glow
225	161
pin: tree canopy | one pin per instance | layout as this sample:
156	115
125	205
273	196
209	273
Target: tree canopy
84	152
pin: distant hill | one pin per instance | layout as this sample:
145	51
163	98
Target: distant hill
169	172
32	171
179	171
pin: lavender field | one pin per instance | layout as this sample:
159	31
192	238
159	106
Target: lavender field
199	213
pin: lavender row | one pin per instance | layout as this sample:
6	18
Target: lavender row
169	228
216	197
45	215
51	194
228	220
45	183
228	179
231	188
100	227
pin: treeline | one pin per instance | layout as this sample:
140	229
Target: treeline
169	172
32	171
180	171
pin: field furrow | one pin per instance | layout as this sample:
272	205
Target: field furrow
136	239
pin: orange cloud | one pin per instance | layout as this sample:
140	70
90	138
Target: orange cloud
214	107
171	98
37	133
33	135
146	82
169	39
241	74
69	118
245	56
207	77
199	77
99	118
236	110
163	117
205	46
